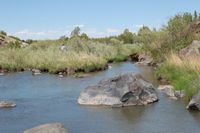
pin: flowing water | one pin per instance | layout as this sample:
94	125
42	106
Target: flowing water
47	98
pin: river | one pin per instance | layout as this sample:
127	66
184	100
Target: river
48	98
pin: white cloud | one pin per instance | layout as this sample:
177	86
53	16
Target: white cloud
112	30
45	34
79	25
27	32
138	26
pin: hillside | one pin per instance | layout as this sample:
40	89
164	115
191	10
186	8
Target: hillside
10	40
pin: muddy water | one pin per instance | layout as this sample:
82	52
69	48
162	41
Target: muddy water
47	98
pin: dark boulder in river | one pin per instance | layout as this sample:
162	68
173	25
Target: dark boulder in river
123	90
48	128
195	102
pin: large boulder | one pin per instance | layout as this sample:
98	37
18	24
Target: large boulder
123	90
48	128
4	104
195	102
191	50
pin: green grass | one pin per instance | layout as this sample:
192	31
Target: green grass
181	78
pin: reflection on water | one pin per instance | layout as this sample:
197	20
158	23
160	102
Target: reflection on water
48	98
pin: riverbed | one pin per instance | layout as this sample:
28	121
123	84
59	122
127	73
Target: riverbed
48	98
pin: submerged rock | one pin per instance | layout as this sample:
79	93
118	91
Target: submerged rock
195	102
169	91
124	90
4	104
36	72
48	128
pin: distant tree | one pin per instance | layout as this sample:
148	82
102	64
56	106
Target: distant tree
75	32
29	41
63	38
126	36
3	33
195	16
144	35
178	25
115	41
84	36
199	17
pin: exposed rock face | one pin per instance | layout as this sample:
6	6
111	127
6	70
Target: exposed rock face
124	90
191	50
195	102
36	72
141	59
48	128
169	91
4	104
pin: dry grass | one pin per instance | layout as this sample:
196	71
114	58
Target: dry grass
46	55
188	62
182	73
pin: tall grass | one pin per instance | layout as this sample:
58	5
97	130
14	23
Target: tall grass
47	56
182	73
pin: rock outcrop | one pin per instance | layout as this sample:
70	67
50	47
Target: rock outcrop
195	102
124	90
191	50
48	128
4	104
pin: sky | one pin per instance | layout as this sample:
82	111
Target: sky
50	19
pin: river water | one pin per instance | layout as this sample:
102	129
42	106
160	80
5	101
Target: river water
47	98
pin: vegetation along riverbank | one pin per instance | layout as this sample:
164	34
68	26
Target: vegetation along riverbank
172	49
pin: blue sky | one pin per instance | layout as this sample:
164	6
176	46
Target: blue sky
42	19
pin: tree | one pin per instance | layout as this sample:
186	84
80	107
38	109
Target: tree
126	36
195	16
63	38
84	36
144	35
75	32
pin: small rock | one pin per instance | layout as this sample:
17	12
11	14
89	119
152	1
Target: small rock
70	71
60	74
194	103
48	128
36	72
4	104
1	74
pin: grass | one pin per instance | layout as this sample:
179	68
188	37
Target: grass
81	55
182	73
